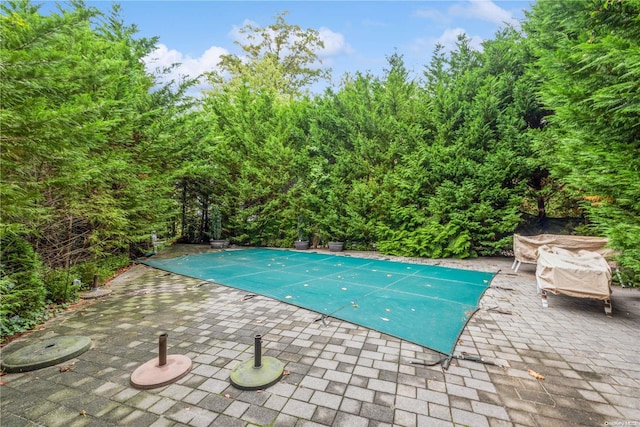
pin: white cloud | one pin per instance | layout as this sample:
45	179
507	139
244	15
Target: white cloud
449	38
188	66
432	14
239	37
484	10
423	47
334	43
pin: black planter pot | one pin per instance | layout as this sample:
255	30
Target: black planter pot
301	244
336	246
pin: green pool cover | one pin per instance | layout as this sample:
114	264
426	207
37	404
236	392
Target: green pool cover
424	304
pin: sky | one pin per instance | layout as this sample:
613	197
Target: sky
358	35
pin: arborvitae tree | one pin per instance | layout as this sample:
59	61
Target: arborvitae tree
361	132
589	59
197	177
260	130
82	177
22	292
80	172
259	134
459	192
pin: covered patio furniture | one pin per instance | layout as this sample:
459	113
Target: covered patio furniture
582	274
525	247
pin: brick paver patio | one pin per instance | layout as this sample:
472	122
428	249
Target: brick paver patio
339	374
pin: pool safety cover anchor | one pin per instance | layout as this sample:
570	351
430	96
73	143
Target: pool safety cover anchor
95	291
446	361
161	371
322	319
257	373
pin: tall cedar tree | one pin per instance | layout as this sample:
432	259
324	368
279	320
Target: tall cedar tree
82	174
589	59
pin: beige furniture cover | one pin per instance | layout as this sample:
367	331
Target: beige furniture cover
584	274
525	247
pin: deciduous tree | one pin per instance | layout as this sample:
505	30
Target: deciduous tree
280	56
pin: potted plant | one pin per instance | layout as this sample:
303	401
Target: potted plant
334	229
336	241
303	241
217	242
337	246
333	218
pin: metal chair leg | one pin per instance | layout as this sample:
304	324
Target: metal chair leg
608	309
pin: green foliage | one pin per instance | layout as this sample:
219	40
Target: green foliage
588	54
22	292
86	154
301	229
104	267
30	291
98	154
60	286
216	223
82	164
281	57
459	192
250	169
439	172
432	240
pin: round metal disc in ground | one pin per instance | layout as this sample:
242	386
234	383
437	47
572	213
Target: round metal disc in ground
45	353
152	375
247	377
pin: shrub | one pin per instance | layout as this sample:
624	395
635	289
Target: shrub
60	286
22	291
